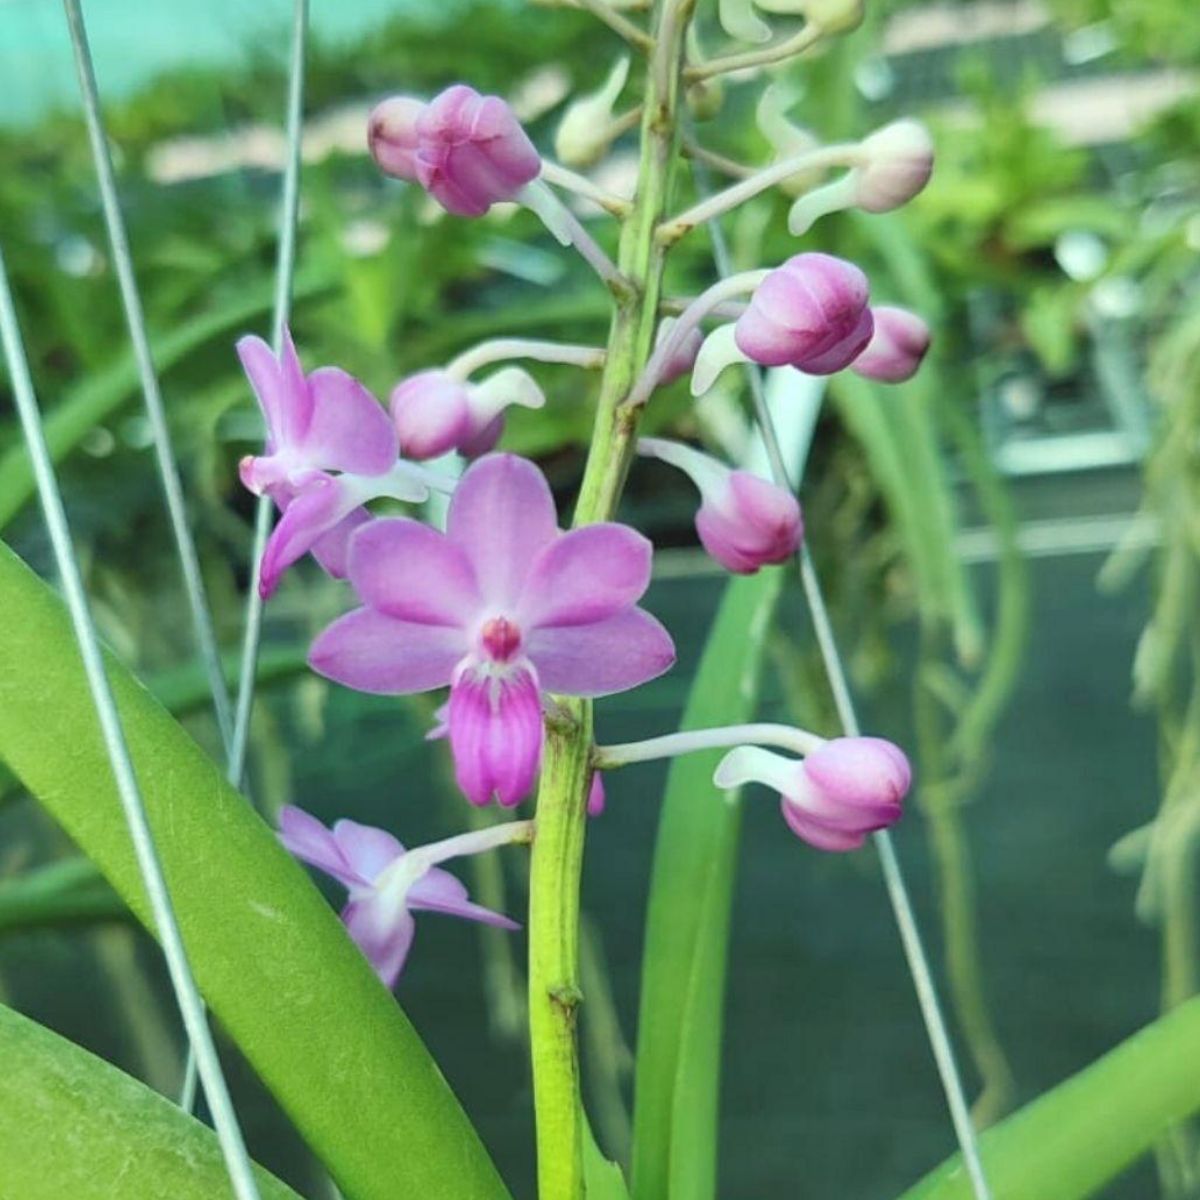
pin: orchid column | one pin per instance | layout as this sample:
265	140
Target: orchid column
554	992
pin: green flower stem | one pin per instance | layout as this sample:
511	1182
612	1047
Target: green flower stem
554	991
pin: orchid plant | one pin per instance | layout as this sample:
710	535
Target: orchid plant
459	580
524	623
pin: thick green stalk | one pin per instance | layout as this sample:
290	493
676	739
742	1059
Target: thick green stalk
554	991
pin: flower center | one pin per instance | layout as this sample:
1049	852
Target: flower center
500	638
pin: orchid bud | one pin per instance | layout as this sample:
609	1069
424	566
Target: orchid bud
595	797
744	522
844	790
586	130
392	136
431	413
434	412
810	313
897	347
467	151
897	161
683	359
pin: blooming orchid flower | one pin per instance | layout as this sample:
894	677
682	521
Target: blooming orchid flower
744	522
387	883
842	791
316	424
502	607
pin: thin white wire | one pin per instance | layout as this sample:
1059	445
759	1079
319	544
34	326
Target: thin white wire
191	1007
168	469
285	269
893	876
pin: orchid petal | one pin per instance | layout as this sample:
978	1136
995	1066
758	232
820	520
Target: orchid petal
332	549
585	576
319	504
495	736
383	931
596	660
502	515
414	573
369	850
439	891
371	652
349	430
307	839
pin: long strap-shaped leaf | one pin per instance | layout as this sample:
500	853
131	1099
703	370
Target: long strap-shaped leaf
687	926
73	1125
271	959
1071	1141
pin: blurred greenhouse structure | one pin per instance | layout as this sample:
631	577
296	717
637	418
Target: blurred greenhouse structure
1010	543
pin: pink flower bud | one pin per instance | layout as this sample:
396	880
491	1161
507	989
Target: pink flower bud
810	313
432	414
744	522
894	353
392	136
471	152
897	163
595	798
749	523
846	789
435	412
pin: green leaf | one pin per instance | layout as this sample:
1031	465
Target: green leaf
73	1125
270	956
70	890
602	1178
1072	1140
102	394
687	926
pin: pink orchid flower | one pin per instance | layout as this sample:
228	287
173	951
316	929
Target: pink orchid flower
503	607
387	883
317	423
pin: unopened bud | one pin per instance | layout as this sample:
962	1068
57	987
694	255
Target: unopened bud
895	351
810	313
586	130
897	161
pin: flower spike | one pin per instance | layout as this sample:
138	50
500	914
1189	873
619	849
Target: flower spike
387	883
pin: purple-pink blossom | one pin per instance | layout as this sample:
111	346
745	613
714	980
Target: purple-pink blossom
466	150
810	313
318	423
842	791
386	883
503	607
897	348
